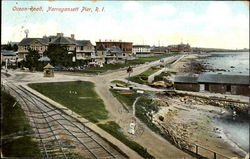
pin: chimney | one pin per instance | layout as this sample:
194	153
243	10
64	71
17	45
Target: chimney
59	34
72	36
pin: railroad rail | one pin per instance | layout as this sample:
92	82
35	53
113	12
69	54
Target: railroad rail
53	128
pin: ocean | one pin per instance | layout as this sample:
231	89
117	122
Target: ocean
234	63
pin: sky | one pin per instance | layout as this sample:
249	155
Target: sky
214	24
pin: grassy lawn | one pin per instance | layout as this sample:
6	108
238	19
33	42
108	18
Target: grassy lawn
78	96
14	121
142	107
127	99
115	130
107	67
86	103
21	147
143	77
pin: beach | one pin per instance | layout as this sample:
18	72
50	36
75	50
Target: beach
201	122
194	121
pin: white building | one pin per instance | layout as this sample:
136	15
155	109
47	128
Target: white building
9	56
141	49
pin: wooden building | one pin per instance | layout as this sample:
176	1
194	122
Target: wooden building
187	83
214	83
48	71
221	83
120	50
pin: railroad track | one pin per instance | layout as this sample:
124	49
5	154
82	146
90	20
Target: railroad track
59	134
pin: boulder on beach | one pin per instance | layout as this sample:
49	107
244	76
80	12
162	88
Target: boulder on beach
162	103
161	118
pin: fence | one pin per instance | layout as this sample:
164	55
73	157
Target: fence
207	153
199	150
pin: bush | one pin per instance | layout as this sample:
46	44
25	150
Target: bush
14	121
161	76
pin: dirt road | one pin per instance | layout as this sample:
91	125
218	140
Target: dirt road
156	145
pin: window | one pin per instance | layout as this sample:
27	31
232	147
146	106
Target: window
206	87
228	88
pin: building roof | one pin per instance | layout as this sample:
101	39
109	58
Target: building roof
213	78
45	58
83	43
63	41
100	47
144	46
186	79
8	53
27	41
113	42
49	66
114	49
224	79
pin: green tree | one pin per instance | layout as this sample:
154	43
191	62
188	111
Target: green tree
31	61
6	47
15	47
59	55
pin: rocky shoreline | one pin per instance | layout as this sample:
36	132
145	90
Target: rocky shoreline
190	121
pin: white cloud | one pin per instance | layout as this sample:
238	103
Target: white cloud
16	33
218	9
132	6
216	26
162	10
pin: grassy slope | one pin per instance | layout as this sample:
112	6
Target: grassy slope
114	129
144	75
128	99
86	102
14	121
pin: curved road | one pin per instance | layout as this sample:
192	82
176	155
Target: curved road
155	144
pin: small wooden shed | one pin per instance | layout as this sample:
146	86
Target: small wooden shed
48	71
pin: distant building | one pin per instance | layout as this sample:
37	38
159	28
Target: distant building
141	49
216	83
124	47
159	50
83	48
179	48
100	54
9	56
38	44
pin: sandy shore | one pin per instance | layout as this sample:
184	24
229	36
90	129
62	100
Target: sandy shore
193	121
188	64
